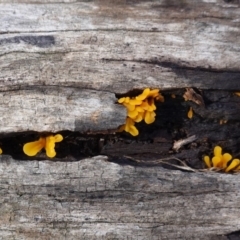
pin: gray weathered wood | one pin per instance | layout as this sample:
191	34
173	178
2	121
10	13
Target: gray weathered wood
114	47
96	199
154	41
61	64
57	108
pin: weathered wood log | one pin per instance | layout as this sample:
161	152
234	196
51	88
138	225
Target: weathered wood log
116	48
96	199
60	68
56	108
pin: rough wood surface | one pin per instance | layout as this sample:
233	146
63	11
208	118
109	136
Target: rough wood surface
96	199
57	108
114	46
94	45
61	64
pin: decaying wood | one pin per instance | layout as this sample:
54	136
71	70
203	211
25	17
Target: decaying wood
191	95
57	108
61	64
178	144
115	46
96	199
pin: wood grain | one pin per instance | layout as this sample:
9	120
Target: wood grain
53	109
61	64
96	199
152	44
113	47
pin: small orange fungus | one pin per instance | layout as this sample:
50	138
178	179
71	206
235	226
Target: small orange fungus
222	161
32	148
237	93
1	151
140	108
173	95
190	113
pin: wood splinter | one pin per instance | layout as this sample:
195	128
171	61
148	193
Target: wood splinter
178	144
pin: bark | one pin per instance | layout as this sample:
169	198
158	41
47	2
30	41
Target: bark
63	65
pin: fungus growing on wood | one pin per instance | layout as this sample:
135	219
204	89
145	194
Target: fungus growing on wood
190	113
32	148
140	108
222	161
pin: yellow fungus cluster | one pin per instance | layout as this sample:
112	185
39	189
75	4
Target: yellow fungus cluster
32	148
222	161
140	108
1	151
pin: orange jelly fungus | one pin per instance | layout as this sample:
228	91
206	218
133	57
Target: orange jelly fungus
1	151
140	108
222	161
32	148
190	113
